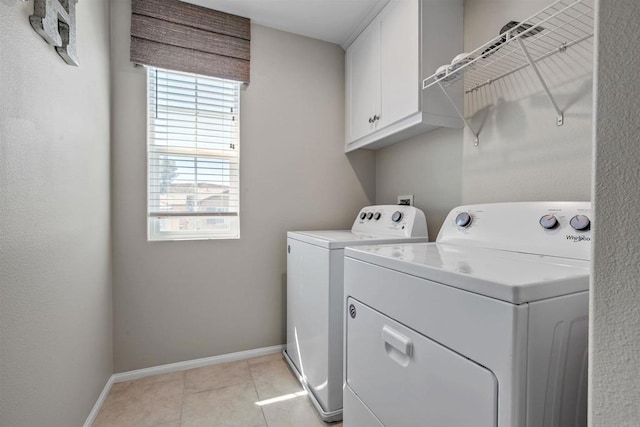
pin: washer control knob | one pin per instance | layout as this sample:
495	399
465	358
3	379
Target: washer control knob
580	223
377	216
370	215
463	219
549	222
397	216
363	215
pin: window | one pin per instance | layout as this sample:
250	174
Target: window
193	156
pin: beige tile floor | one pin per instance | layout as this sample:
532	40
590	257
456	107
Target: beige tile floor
259	392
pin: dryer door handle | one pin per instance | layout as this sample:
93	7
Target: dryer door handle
395	342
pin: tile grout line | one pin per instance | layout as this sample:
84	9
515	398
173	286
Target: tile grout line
184	391
253	380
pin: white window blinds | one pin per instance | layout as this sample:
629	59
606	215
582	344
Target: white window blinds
193	156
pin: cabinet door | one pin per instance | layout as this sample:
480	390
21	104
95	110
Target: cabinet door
399	61
363	80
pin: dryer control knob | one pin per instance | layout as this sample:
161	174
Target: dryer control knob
463	219
397	216
370	215
549	222
580	223
363	215
377	216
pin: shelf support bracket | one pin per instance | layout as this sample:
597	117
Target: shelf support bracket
560	115
476	140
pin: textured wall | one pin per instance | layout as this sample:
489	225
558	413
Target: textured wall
55	288
522	154
177	301
615	290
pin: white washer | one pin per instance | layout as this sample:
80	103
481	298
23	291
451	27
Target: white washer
488	326
315	261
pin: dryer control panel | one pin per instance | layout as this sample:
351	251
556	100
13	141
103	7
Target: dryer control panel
391	220
561	229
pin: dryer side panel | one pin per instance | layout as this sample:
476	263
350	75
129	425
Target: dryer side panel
557	369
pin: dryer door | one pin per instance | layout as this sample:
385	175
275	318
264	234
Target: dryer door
408	380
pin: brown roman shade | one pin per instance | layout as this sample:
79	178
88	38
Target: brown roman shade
184	37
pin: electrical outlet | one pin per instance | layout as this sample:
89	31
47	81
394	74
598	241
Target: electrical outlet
406	200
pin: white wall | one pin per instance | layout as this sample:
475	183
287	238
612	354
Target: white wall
615	289
177	301
55	284
522	154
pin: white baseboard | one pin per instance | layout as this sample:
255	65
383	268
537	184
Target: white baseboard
175	367
196	363
96	408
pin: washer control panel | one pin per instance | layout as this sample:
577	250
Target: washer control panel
392	220
546	228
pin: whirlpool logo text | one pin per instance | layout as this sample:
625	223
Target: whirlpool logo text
578	238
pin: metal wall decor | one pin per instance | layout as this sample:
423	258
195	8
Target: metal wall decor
55	21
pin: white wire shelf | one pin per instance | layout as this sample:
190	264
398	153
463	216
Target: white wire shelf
553	30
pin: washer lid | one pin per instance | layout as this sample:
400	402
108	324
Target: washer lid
509	276
338	239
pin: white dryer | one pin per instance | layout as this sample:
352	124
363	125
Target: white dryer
486	327
315	261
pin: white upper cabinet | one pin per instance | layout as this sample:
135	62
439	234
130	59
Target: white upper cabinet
399	61
364	90
385	67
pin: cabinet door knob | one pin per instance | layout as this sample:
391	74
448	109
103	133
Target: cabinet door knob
370	119
376	118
